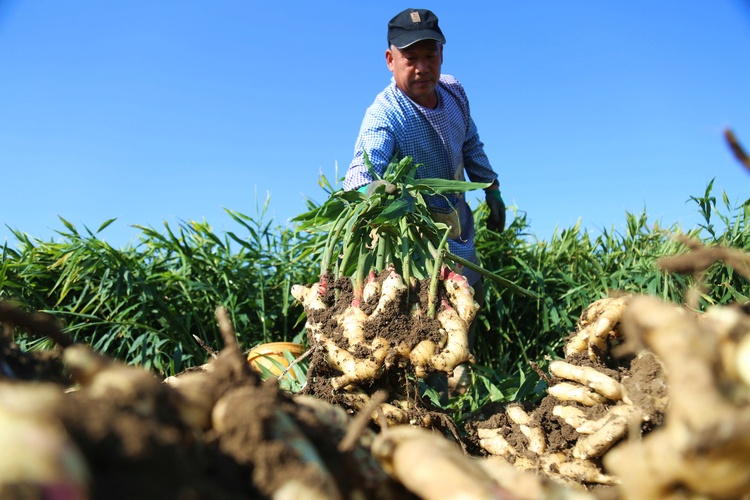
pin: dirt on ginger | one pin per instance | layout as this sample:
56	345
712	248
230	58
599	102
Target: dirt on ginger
704	445
589	408
380	336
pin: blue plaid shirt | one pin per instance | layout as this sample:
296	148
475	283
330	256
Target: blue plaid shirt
444	141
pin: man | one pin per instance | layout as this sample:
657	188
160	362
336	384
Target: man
425	115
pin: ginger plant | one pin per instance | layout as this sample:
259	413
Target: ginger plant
673	425
592	406
387	299
703	448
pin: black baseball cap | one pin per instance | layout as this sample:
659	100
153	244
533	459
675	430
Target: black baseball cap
413	25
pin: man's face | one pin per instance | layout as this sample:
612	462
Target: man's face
416	70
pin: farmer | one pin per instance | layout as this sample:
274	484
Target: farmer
425	115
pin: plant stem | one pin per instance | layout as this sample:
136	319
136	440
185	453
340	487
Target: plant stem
332	240
405	255
345	259
359	280
490	275
429	263
380	256
436	274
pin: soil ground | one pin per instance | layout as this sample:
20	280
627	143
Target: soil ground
400	328
138	445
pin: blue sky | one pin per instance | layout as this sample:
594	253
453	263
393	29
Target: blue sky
164	111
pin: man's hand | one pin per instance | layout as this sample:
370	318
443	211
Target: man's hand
390	188
496	219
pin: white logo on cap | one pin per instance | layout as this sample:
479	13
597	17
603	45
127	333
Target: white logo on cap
415	17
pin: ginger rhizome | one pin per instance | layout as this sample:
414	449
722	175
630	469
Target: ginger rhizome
386	332
389	308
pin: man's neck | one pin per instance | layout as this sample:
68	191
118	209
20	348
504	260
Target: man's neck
431	103
428	102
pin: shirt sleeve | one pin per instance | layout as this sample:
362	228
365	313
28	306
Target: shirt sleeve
378	139
476	163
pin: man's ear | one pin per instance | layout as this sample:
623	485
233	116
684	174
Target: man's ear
389	59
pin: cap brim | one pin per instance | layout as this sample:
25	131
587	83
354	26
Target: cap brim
405	39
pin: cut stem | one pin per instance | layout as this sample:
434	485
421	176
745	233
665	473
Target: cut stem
345	259
380	255
359	280
405	255
490	275
332	240
436	275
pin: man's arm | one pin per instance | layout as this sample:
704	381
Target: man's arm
476	163
377	138
478	169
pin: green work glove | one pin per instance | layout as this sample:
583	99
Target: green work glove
496	219
369	189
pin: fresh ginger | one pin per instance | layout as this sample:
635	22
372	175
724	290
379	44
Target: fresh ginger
456	350
703	448
356	370
597	323
432	467
461	294
577	390
364	359
589	377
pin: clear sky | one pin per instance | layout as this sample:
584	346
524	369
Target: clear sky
162	110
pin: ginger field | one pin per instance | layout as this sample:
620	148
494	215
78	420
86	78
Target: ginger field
611	366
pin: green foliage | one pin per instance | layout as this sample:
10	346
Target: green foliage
372	231
144	303
575	268
367	232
